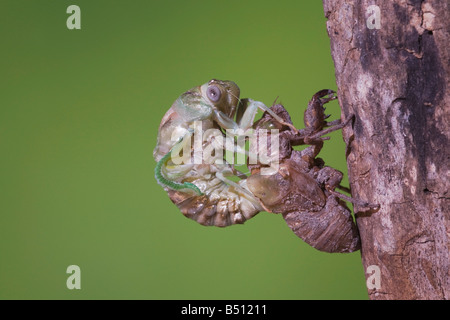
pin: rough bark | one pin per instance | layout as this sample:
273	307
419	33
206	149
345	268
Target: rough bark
395	80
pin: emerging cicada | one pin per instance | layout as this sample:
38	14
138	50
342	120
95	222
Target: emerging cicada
204	191
301	187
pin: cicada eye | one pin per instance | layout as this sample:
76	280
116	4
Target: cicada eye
213	93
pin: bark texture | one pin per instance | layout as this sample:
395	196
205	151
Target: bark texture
395	80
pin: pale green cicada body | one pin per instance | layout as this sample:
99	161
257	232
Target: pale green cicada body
204	191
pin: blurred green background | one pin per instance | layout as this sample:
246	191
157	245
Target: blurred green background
79	115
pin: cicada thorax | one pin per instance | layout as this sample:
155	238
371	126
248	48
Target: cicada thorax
181	116
193	107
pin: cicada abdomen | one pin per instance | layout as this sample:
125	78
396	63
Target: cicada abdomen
330	230
221	204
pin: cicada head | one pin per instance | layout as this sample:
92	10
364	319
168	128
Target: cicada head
222	95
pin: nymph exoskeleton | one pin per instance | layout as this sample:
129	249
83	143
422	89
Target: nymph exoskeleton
202	191
303	189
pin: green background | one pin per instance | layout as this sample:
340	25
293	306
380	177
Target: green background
79	114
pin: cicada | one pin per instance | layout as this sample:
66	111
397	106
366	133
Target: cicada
205	191
302	189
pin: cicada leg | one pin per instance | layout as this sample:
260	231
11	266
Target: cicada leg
331	179
247	111
332	126
222	176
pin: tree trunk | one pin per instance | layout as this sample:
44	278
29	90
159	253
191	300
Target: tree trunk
392	66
